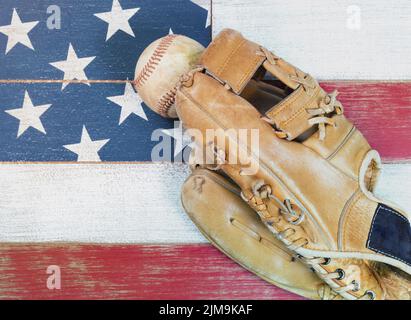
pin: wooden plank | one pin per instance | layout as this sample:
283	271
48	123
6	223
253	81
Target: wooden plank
331	39
116	203
128	272
126	122
115	55
381	110
93	203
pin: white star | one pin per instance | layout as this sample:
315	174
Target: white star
182	140
29	115
17	32
205	4
73	67
117	19
87	149
130	102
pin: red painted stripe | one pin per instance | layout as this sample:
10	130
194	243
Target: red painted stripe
128	272
382	111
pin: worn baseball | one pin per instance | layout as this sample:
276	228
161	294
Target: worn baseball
159	69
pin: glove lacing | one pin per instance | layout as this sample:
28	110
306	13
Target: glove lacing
328	105
338	274
262	191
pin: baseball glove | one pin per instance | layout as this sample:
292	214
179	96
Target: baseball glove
309	175
215	206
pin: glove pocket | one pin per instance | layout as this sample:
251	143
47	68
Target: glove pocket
213	203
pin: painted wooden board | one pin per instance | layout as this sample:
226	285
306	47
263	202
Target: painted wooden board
108	44
136	240
108	111
116	203
128	272
331	39
93	203
381	110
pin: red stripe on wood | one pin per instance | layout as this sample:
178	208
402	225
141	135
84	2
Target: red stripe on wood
382	111
128	272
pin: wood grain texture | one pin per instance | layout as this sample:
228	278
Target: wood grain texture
93	203
117	203
128	272
140	203
324	38
114	59
382	111
77	106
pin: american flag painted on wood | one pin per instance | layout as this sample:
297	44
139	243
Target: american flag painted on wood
78	189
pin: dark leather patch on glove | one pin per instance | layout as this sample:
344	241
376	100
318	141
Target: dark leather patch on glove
390	234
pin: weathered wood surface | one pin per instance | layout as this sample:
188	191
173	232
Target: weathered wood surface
114	58
381	110
331	39
76	107
108	205
128	272
116	203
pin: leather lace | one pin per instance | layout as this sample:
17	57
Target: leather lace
262	191
271	57
327	106
305	80
338	274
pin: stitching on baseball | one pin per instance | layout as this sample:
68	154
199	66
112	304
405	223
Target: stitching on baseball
166	101
154	60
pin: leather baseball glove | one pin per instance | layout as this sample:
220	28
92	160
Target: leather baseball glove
309	175
215	206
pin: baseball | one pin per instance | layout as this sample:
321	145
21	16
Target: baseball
159	69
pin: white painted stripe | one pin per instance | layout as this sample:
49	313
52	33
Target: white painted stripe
331	39
395	185
116	203
113	203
